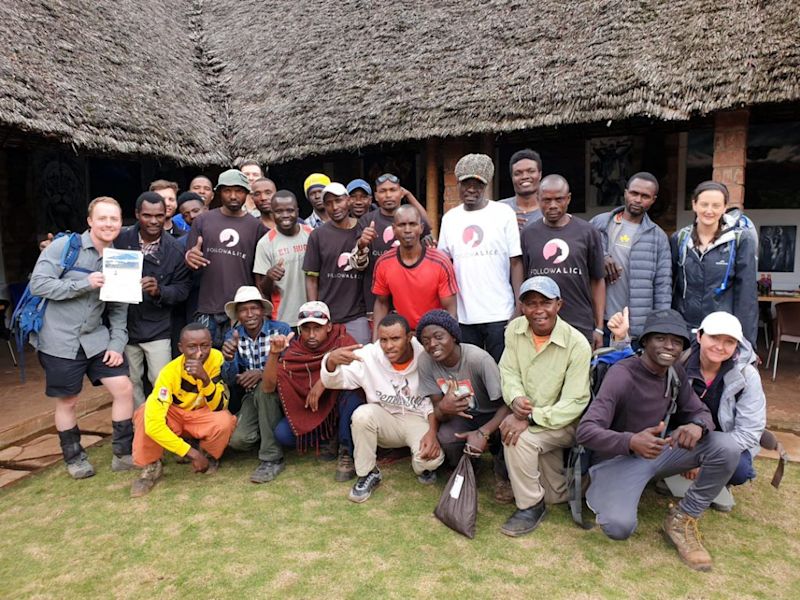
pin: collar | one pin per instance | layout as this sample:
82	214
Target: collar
559	336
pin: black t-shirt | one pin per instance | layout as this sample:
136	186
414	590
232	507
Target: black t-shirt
230	244
340	286
572	256
382	243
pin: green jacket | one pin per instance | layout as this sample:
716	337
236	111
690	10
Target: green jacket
556	379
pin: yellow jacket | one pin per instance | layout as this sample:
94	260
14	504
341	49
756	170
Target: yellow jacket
175	386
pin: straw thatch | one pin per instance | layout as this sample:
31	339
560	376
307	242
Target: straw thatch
214	80
108	76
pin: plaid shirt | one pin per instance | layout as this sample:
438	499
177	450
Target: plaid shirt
150	248
254	352
251	353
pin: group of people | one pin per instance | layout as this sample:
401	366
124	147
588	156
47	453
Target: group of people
354	330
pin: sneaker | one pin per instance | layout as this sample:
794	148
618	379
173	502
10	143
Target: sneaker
503	494
681	530
362	489
427	477
148	478
80	467
122	463
267	470
345	468
524	520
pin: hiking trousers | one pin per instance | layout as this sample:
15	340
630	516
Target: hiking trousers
259	416
617	483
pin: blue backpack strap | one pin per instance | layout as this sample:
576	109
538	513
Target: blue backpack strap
718	291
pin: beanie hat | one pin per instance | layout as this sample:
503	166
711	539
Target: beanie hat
475	166
188	197
443	319
315	180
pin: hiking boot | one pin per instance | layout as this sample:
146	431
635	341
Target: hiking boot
80	467
122	463
427	477
362	489
345	468
682	531
148	478
329	450
267	470
213	465
524	520
503	494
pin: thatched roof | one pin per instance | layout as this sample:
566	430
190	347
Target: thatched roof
291	78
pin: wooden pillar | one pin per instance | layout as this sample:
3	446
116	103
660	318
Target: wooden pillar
487	148
452	151
730	152
432	184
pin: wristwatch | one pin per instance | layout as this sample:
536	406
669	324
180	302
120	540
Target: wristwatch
701	425
531	420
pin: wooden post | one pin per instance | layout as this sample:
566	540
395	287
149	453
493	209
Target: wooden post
432	184
730	152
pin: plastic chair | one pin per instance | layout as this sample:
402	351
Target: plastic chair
787	329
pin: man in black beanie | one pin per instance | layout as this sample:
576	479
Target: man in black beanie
463	382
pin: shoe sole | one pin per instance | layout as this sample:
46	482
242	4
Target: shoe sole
518	533
80	476
360	499
701	568
274	475
342	476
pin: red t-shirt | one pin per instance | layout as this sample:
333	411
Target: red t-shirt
415	289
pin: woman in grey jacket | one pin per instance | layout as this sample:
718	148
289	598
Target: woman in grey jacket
714	265
721	369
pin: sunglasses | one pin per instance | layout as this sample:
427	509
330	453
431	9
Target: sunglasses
387	177
312	314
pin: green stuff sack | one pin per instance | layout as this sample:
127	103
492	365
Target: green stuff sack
458	506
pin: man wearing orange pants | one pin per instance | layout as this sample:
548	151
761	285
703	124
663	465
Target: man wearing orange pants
189	397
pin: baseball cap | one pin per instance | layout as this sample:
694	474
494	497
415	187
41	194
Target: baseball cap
231	178
335	188
357	184
313	312
666	321
475	166
722	323
315	180
544	285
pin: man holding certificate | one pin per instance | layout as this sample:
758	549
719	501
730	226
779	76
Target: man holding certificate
73	341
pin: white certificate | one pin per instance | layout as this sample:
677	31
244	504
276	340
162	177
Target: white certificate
122	271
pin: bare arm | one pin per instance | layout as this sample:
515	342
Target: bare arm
412	200
517	277
598	301
269	380
312	287
450	304
264	285
381	309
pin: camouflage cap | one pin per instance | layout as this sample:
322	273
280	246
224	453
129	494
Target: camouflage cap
475	166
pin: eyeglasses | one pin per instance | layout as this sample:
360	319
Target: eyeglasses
387	177
312	314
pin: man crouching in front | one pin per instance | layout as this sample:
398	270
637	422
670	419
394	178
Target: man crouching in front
395	415
189	398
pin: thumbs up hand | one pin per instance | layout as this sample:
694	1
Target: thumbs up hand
619	325
648	443
230	346
194	256
367	236
277	272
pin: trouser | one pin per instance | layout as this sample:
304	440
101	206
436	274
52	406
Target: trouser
212	428
121	440
157	354
217	323
359	330
536	466
744	470
348	401
259	416
373	425
453	447
489	336
617	484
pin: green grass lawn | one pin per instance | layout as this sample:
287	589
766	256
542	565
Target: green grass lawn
220	536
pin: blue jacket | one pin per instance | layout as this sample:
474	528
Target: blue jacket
699	278
232	368
650	269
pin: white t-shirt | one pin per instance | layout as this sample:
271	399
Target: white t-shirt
481	244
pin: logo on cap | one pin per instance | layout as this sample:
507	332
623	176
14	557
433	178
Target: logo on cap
472	236
229	237
556	251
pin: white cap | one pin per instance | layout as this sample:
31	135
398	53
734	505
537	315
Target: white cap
722	323
335	188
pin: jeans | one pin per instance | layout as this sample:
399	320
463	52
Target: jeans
348	402
488	336
218	324
453	447
744	470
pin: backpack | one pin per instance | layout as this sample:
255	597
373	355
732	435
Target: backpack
28	315
578	459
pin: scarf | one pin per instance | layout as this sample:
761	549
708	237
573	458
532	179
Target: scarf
298	370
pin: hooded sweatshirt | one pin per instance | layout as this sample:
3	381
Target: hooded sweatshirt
396	391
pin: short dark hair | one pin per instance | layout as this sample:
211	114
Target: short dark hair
525	153
395	319
194	326
644	176
150	198
285	194
260	179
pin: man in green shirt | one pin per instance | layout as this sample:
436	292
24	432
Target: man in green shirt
545	377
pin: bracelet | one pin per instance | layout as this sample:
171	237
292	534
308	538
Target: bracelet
483	433
600	331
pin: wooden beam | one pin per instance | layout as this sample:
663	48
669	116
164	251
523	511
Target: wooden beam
432	184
